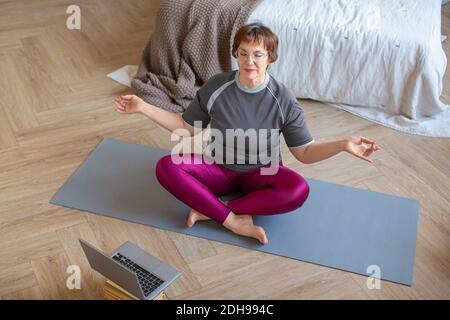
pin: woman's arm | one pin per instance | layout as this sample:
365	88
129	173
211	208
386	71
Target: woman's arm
358	146
171	121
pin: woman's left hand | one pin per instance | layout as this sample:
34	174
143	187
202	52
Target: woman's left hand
361	147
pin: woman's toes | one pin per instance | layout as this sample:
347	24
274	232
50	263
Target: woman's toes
194	216
245	227
191	219
262	235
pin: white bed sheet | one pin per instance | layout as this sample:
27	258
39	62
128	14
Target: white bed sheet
378	59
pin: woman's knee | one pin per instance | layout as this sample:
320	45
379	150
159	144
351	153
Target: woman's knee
167	168
164	162
169	165
297	191
163	166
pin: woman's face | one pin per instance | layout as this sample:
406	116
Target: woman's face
253	60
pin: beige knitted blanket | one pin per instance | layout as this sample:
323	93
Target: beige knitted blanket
190	44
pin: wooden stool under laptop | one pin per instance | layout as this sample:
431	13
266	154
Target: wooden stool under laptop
112	291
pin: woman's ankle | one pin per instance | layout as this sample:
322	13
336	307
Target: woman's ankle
230	221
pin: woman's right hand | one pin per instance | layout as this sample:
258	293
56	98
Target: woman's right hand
128	104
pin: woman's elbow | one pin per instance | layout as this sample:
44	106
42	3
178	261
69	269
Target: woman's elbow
301	154
187	129
304	160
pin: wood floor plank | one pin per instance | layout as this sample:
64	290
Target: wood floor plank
227	264
265	277
192	248
327	285
51	274
91	282
109	232
33	293
34	225
101	124
22	251
15	103
7	138
17	278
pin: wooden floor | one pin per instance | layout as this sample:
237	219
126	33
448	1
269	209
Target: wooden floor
56	105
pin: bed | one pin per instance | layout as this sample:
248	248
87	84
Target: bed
378	59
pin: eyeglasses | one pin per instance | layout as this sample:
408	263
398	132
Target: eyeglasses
257	56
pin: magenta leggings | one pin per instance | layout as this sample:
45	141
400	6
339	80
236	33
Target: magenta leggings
199	184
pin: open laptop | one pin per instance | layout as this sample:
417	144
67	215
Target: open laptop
130	267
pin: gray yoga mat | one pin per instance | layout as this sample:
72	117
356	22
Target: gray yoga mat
338	226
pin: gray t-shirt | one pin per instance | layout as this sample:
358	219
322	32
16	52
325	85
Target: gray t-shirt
249	119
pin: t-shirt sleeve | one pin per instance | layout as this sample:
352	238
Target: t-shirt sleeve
295	131
196	111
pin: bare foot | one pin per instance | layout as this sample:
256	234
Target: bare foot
243	225
195	216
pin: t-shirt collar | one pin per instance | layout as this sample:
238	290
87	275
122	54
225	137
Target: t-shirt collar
255	89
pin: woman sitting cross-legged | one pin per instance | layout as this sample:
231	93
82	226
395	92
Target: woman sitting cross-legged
246	103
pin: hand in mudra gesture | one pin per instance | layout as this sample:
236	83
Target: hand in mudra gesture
361	147
128	104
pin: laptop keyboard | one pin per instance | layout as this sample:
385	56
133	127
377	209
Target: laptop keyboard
148	281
